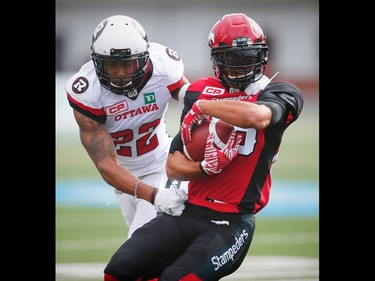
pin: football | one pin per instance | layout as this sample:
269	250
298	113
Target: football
194	150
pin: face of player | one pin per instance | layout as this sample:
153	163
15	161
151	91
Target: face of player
239	72
120	72
238	64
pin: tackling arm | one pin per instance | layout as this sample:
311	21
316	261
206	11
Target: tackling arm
99	145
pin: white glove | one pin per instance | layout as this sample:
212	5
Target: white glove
171	201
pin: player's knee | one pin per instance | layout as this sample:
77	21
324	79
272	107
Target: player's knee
120	267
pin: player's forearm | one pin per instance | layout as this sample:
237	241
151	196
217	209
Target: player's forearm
180	168
238	113
125	181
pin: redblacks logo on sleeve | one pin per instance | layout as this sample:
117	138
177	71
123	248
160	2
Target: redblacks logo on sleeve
80	85
172	54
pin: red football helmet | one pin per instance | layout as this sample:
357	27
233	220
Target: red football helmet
239	51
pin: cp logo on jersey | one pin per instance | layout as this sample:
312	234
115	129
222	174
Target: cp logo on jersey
213	91
116	108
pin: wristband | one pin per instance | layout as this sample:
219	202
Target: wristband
136	189
152	201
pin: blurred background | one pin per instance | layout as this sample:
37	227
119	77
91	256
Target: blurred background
292	28
289	224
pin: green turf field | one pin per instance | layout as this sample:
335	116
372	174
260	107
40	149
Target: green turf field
93	234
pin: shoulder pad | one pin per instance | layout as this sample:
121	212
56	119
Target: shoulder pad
287	92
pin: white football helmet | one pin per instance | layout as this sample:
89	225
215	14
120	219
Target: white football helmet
120	41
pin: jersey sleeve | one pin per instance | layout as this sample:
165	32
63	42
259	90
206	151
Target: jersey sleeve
82	96
284	99
170	67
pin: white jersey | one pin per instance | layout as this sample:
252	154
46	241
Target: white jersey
136	126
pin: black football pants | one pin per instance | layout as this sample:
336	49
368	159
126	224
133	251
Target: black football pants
201	244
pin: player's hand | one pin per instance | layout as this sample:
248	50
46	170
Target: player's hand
216	159
193	117
171	201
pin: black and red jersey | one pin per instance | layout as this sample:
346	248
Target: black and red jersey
244	185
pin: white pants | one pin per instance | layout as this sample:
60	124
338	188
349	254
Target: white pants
137	212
